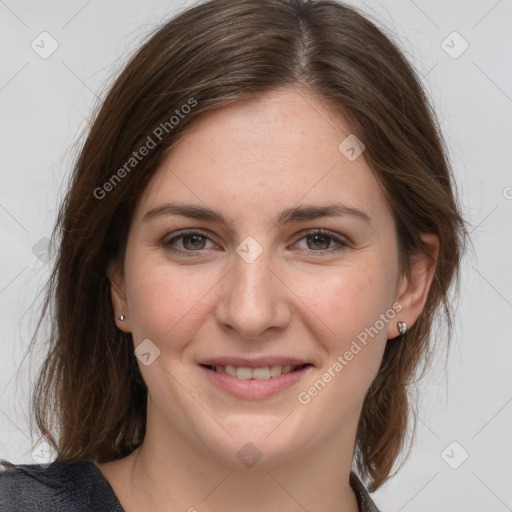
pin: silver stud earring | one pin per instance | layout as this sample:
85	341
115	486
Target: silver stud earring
402	327
121	318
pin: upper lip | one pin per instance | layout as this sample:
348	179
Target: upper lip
255	362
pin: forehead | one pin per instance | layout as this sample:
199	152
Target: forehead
264	155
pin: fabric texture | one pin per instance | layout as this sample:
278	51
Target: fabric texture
81	487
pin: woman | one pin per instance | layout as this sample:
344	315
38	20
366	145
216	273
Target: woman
259	233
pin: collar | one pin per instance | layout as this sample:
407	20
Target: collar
364	501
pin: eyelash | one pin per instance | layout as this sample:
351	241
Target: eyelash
341	243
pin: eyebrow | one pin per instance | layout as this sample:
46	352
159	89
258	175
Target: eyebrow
296	214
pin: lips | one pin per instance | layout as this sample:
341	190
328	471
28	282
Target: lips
256	362
254	378
260	372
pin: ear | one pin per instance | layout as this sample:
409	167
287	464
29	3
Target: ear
118	296
413	289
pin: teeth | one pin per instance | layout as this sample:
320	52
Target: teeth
262	373
275	370
243	373
230	370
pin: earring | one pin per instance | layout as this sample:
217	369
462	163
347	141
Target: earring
402	327
121	318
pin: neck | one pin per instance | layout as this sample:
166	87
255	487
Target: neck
169	472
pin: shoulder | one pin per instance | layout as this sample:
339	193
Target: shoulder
64	486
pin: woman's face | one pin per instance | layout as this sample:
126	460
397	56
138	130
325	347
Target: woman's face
260	245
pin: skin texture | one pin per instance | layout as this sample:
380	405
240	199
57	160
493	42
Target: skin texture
300	298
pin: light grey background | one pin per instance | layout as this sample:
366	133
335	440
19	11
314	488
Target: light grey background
45	103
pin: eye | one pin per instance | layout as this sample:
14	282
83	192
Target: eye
319	241
187	242
322	241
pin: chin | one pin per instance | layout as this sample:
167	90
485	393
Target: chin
255	440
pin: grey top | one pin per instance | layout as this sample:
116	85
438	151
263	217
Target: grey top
81	487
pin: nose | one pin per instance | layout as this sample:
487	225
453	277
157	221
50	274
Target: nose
253	300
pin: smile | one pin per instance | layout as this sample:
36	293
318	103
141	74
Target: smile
261	373
254	383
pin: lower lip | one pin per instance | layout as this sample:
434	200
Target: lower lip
255	389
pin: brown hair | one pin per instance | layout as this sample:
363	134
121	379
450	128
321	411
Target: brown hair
215	53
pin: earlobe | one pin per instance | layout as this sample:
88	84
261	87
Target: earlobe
118	297
414	288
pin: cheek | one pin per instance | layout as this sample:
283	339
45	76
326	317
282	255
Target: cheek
348	300
166	304
352	315
352	311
